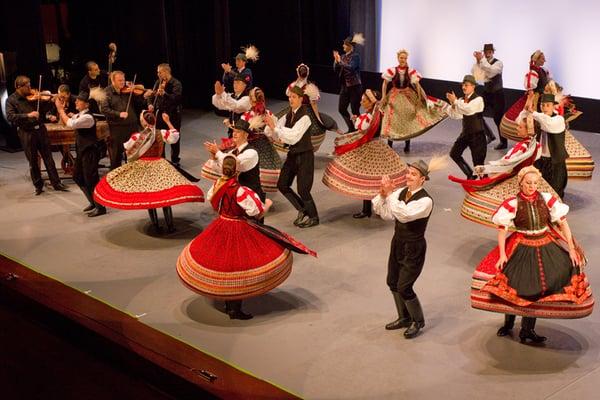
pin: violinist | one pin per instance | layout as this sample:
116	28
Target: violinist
119	110
66	99
25	115
167	99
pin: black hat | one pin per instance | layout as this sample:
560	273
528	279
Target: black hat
488	46
242	125
422	167
548	98
469	79
242	77
83	96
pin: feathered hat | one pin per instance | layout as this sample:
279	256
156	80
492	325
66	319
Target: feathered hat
249	52
357	38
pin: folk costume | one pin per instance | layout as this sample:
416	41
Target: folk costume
489	71
539	279
469	109
320	122
236	104
235	257
538	79
407	111
147	181
362	160
411	212
348	71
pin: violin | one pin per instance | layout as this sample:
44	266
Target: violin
44	95
133	89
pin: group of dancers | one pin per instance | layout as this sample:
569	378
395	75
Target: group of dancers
535	271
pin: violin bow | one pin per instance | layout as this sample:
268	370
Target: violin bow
154	88
39	91
131	93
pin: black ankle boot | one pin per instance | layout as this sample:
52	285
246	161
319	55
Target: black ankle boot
403	320
418	321
167	211
509	323
407	146
154	219
528	332
234	310
366	210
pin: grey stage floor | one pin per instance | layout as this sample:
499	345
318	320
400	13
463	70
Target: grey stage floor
320	334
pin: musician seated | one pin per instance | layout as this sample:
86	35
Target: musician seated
67	100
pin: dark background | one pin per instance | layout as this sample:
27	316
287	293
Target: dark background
195	37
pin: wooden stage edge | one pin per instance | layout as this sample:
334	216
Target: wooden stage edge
189	363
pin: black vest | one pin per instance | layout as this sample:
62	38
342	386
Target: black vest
542	80
494	84
413	230
304	144
85	137
251	178
556	145
472	123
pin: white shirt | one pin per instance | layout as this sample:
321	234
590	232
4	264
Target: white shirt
291	135
490	70
170	136
550	125
81	120
460	108
248	159
363	121
391	207
225	101
246	198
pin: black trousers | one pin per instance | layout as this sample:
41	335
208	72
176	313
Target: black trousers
554	173
349	95
495	103
119	134
175	147
405	265
475	142
85	173
34	142
302	167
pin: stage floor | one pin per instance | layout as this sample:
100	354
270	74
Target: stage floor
320	334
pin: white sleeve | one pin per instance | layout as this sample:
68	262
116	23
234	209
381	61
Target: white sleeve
209	194
472	107
80	121
558	209
362	122
505	214
414	76
293	135
491	70
391	207
170	136
380	206
550	124
388	74
272	133
531	80
248	160
226	102
249	201
132	139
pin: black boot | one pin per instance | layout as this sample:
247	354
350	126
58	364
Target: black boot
169	219
503	145
407	146
465	168
509	323
488	133
403	320
234	310
528	332
300	218
154	218
416	314
97	211
89	198
391	144
366	210
313	215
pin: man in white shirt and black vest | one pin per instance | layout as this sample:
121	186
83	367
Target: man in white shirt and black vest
235	103
552	163
85	173
470	109
410	207
493	91
247	156
292	130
